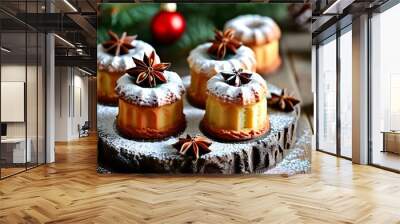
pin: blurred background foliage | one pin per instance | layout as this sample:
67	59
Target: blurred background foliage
201	20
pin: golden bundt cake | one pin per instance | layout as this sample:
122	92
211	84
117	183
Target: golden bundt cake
206	60
150	101
236	107
262	35
114	57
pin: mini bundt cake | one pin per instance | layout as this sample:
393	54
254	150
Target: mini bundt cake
150	101
113	58
206	60
236	107
262	35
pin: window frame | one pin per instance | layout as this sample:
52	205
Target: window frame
342	26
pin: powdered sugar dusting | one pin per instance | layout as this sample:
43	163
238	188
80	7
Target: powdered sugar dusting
162	94
245	94
164	150
254	29
123	62
201	62
297	159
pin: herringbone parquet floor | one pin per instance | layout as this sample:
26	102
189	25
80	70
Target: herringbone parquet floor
70	191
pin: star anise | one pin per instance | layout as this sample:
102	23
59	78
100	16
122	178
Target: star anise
283	101
146	73
118	46
193	146
236	77
224	43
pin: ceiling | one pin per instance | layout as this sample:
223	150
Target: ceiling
329	15
72	20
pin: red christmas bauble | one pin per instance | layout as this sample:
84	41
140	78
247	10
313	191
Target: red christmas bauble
167	27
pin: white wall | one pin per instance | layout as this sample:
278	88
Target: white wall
33	127
80	103
71	94
14	73
61	104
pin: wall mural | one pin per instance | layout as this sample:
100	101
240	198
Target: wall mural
189	88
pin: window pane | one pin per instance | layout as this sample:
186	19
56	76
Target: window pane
327	97
346	94
385	84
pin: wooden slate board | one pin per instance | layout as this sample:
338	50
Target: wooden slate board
263	156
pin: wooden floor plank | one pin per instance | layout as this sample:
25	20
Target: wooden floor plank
70	191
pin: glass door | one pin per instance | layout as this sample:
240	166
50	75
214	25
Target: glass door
334	94
35	90
22	90
385	89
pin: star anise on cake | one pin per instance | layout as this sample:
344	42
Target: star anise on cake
193	146
224	43
283	101
147	73
118	45
237	77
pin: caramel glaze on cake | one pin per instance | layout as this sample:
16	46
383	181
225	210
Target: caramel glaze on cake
203	66
111	67
236	112
262	35
150	113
